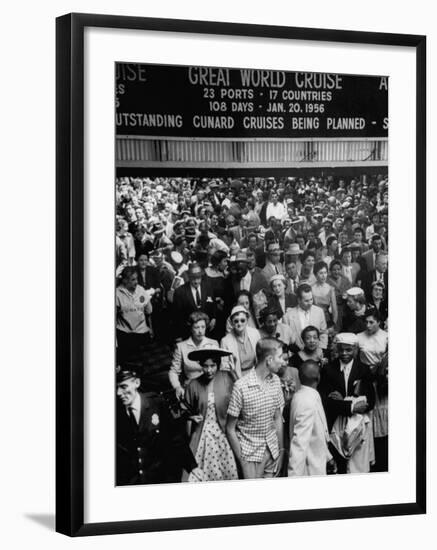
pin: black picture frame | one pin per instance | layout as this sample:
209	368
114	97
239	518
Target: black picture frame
70	273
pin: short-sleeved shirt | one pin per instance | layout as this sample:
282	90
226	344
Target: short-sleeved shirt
254	404
131	309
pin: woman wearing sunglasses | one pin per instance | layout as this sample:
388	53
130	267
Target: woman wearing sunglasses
241	342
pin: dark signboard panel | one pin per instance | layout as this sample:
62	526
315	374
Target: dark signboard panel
165	100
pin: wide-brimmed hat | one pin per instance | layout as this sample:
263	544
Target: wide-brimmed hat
203	354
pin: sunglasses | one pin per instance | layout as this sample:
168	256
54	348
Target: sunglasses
239	321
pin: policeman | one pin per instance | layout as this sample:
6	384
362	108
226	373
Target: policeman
150	448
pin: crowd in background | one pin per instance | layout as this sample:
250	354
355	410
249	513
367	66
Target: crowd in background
230	265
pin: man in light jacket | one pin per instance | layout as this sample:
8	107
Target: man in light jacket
305	314
309	435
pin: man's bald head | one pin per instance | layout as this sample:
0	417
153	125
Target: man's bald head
309	373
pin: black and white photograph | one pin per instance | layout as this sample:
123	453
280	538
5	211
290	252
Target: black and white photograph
251	266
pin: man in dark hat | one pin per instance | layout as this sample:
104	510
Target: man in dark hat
150	448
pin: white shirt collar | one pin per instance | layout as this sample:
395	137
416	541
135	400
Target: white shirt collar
346	366
136	407
193	291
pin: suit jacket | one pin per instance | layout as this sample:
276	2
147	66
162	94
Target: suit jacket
229	342
309	434
354	272
367	260
365	280
151	278
269	270
153	451
290	301
333	380
317	319
184	304
232	287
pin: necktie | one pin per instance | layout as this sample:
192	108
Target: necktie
132	418
198	303
277	270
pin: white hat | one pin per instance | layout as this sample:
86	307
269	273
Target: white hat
239	309
277	277
354	291
346	338
176	257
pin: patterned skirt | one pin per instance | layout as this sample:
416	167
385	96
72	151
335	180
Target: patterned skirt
214	455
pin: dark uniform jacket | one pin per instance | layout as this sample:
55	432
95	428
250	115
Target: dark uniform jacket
332	379
154	450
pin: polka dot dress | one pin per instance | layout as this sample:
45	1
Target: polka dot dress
214	455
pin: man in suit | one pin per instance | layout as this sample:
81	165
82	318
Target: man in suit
195	295
273	263
349	268
309	436
379	274
242	279
148	276
305	314
368	259
343	380
150	447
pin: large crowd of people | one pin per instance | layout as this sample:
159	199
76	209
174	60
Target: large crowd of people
273	293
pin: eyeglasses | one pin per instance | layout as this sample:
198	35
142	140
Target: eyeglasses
240	321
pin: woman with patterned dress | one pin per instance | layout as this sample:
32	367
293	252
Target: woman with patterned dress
324	293
208	398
